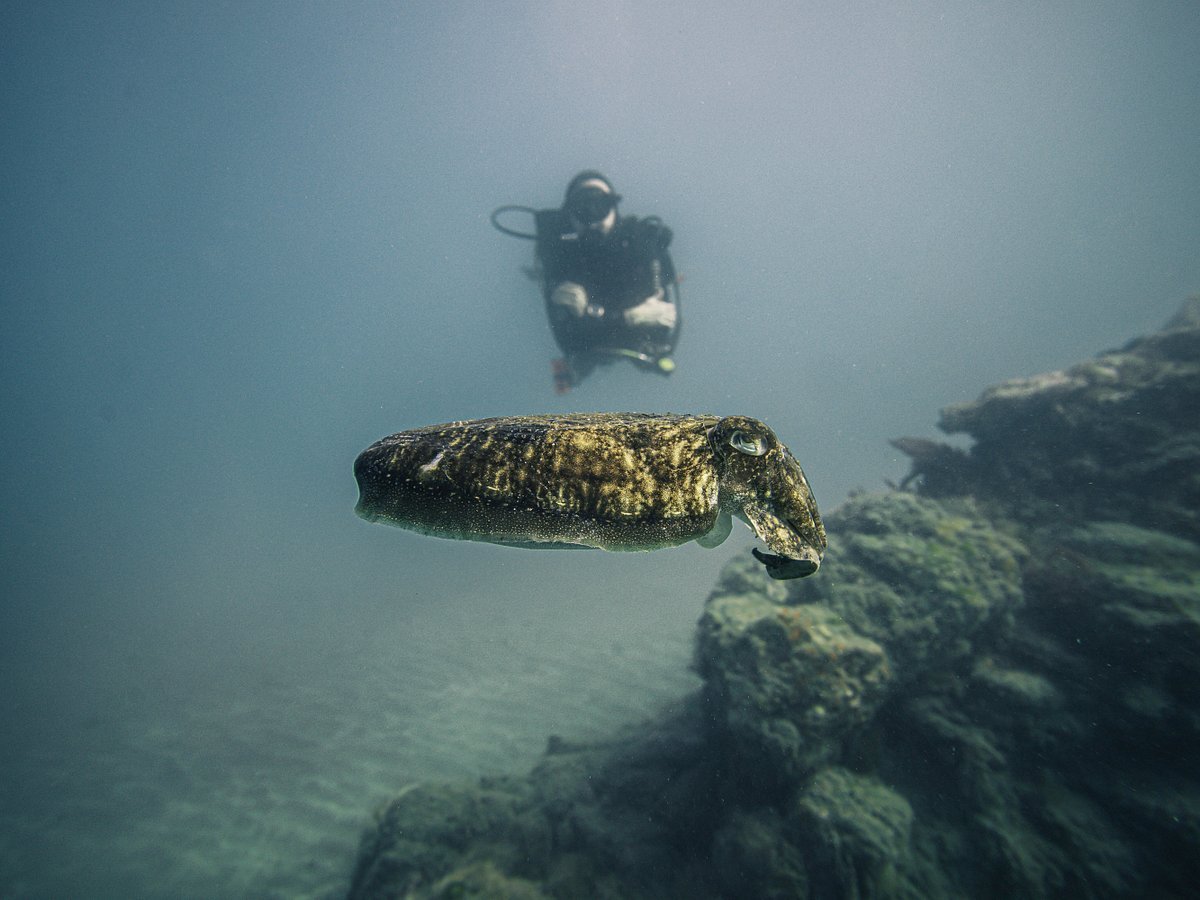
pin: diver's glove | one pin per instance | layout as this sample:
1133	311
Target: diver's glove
570	298
651	312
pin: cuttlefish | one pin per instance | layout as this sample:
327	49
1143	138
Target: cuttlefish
614	481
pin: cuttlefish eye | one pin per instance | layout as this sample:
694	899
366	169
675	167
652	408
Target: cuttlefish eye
748	444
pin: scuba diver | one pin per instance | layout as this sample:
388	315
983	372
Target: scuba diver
609	284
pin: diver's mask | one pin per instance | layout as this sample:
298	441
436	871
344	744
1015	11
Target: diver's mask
593	209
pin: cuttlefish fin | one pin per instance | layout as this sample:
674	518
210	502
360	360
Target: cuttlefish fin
717	534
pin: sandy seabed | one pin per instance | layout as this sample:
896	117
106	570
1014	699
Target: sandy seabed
256	778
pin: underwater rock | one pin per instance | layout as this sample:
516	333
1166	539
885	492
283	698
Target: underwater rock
1073	727
482	881
942	469
843	835
787	685
621	819
755	857
1130	598
1116	437
1001	813
793	675
923	579
855	833
429	831
1025	693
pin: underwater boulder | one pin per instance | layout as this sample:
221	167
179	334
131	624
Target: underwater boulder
1128	600
1115	437
855	832
428	831
925	580
622	818
786	685
792	673
841	835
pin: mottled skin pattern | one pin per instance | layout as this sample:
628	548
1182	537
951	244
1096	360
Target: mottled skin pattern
617	481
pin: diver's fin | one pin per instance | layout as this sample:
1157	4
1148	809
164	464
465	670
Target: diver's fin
562	376
720	530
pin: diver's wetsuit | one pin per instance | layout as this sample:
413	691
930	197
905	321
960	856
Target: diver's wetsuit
618	271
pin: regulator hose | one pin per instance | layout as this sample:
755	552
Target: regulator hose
501	210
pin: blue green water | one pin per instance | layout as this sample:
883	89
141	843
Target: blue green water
242	241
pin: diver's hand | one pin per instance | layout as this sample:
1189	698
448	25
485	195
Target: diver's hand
653	311
570	298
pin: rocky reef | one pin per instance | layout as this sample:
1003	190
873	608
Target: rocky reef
991	689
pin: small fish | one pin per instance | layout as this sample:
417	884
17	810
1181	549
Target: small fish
614	481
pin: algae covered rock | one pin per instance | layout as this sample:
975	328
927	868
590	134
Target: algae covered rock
923	579
1128	597
756	856
1116	437
1053	755
841	835
1140	585
787	685
855	833
792	672
626	818
429	831
483	881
